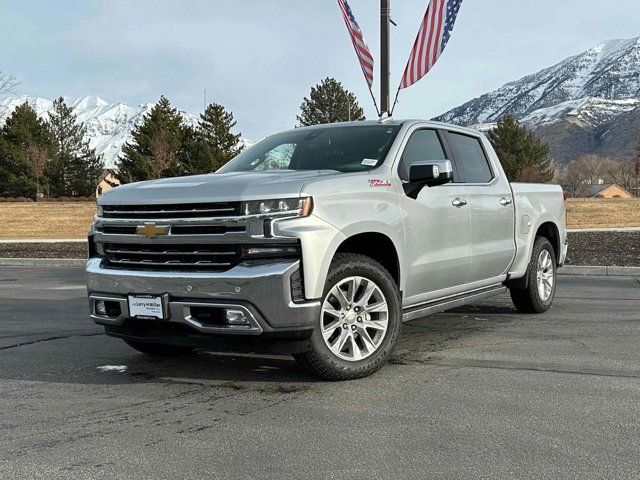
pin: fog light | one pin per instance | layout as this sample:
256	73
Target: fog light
101	307
235	317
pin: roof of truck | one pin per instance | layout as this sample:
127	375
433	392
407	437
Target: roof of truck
391	121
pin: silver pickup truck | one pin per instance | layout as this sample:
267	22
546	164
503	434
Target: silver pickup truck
320	242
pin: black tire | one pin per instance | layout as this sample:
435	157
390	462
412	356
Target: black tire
319	358
528	300
158	350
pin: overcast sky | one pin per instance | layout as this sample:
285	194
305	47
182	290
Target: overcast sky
259	58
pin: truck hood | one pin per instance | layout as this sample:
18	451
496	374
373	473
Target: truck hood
213	187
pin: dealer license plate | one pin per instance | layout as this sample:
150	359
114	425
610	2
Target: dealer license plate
146	307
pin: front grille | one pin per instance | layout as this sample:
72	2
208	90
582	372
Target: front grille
174	230
185	210
211	258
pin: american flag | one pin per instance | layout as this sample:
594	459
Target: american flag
433	36
362	50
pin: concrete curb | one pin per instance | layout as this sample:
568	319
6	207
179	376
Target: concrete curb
612	271
42	262
45	240
604	229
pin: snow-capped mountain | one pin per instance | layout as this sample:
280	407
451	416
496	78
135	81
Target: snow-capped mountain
108	125
587	95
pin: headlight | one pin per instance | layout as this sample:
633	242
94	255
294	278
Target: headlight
99	210
299	207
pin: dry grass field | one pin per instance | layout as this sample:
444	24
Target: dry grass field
42	220
70	220
600	212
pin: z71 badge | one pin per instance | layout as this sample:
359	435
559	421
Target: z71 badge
375	182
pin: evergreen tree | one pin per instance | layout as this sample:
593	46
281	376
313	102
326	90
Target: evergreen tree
523	156
75	168
156	147
22	133
210	144
329	102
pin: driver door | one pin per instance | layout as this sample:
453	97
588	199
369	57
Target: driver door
437	227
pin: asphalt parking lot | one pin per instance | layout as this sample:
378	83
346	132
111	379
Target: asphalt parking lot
480	392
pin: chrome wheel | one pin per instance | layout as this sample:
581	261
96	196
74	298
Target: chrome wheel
545	275
354	318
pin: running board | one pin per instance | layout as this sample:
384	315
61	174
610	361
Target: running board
436	306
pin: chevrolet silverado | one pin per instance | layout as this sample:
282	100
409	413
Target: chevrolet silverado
320	242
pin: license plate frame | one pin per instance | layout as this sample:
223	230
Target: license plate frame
144	306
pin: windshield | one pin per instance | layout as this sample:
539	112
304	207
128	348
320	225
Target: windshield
345	149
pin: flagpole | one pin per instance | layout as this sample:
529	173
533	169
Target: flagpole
385	17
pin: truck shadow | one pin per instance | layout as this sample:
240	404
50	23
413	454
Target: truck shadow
101	360
419	340
424	337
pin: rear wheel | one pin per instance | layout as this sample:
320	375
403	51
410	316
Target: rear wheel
158	350
541	283
359	321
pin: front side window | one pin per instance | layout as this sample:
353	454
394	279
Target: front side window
472	163
345	149
424	145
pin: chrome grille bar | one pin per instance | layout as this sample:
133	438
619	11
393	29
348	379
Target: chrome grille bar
150	263
154	212
158	212
166	252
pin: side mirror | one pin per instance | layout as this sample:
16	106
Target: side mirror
430	174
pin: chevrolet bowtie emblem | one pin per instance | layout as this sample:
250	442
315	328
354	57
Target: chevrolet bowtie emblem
151	230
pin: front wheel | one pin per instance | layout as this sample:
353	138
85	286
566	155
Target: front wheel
359	321
541	283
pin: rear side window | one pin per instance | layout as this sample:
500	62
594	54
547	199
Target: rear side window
472	163
424	145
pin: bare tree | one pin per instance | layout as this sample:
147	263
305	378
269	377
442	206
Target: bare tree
582	172
37	160
7	83
163	155
620	170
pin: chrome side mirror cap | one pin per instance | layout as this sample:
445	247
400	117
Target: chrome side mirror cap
430	173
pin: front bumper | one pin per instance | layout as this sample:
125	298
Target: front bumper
261	291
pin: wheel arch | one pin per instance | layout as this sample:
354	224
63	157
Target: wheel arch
550	231
377	246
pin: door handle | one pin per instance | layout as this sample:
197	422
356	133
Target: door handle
458	203
504	201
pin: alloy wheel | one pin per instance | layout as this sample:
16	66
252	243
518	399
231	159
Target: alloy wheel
545	275
354	318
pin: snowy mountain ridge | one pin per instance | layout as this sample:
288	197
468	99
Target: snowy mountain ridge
610	71
108	125
590	101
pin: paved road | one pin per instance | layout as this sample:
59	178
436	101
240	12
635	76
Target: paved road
476	393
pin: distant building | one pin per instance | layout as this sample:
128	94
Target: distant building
605	190
107	181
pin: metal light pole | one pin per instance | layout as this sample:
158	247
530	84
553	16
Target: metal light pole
385	25
346	96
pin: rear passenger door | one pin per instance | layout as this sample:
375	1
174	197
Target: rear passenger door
436	227
491	208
